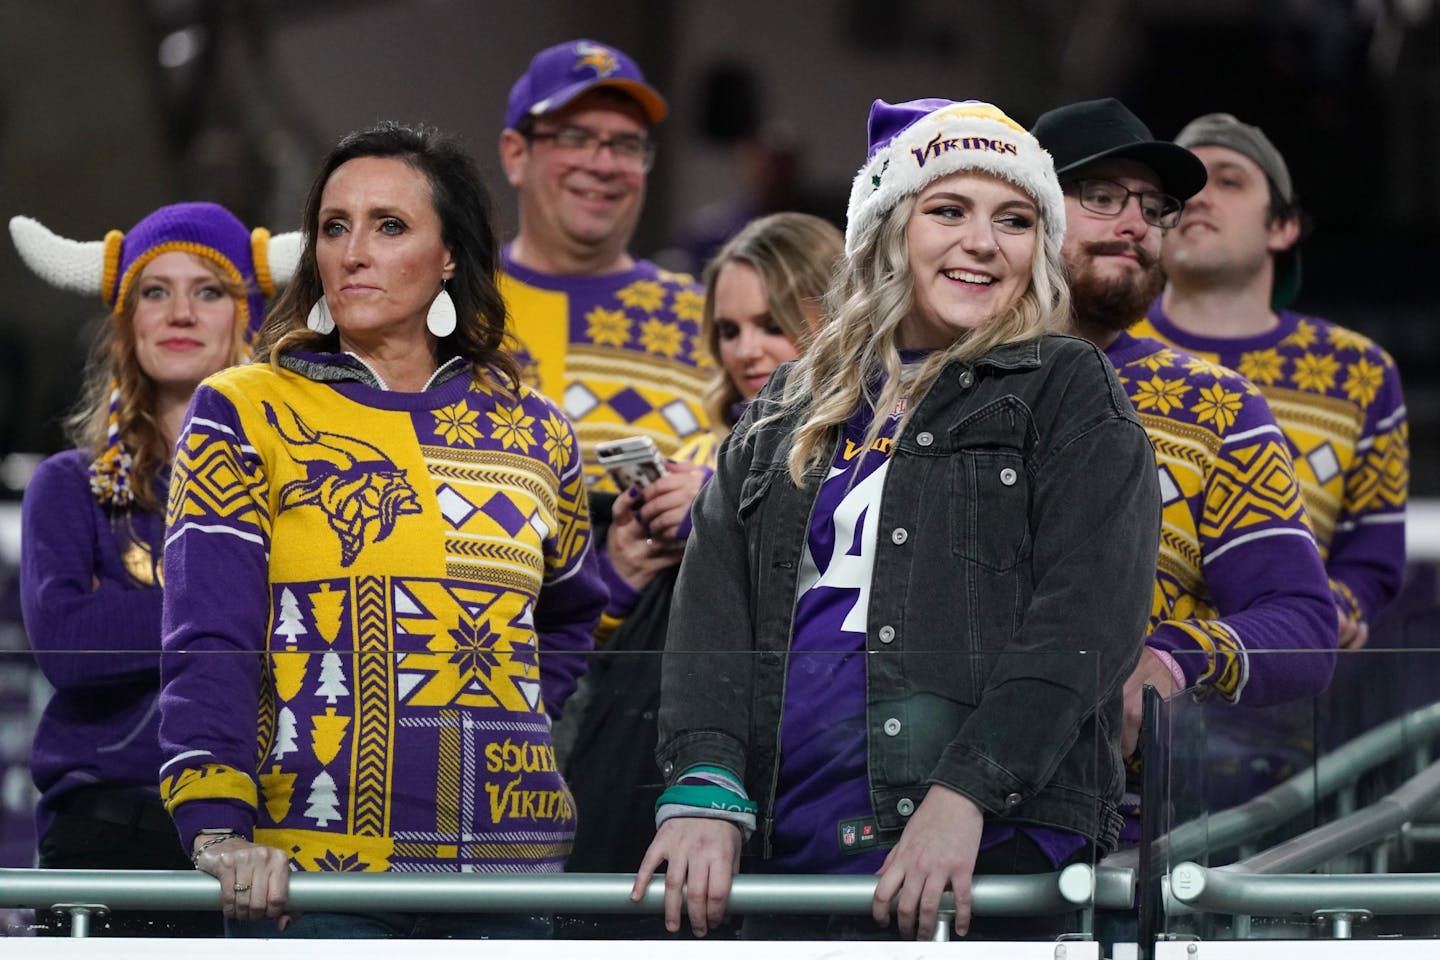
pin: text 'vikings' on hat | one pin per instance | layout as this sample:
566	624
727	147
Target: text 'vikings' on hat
1079	134
915	143
558	75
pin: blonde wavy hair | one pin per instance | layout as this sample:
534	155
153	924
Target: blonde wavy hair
795	256
113	362
855	351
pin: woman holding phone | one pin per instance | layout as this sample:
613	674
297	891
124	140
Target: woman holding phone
763	295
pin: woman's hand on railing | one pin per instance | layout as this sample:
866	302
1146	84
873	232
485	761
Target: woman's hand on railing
937	849
703	856
254	879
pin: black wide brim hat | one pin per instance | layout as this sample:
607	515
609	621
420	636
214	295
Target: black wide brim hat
1082	133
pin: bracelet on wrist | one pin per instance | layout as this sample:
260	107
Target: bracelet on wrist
218	838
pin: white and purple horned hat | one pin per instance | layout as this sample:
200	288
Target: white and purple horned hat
917	142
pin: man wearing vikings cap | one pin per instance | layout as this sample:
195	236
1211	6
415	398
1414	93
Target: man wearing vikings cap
1238	570
1233	268
616	339
186	287
927	631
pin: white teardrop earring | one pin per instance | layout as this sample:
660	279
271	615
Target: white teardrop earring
440	319
319	319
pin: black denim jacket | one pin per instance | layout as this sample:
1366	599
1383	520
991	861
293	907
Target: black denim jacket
1014	573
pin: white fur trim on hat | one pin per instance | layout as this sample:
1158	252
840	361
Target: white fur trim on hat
962	136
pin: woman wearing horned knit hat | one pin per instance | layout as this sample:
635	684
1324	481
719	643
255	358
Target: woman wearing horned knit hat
186	287
933	537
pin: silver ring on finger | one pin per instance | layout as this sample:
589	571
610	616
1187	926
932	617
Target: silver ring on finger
240	887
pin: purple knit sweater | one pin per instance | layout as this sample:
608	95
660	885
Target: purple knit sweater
91	601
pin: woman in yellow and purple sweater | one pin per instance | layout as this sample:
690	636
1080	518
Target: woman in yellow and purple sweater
379	544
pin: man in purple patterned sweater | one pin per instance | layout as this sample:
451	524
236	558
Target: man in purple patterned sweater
1233	268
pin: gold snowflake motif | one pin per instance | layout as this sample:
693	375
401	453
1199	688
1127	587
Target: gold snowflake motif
675	279
1363	381
666	339
1158	360
513	428
645	295
607	327
700	355
1218	406
457	424
555	436
1341	339
689	305
1262	366
1303	335
1160	395
1316	372
1196	364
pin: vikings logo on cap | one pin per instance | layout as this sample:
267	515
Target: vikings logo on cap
593	55
559	75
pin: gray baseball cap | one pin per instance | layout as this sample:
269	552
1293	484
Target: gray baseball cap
1226	130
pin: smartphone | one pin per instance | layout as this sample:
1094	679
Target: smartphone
631	462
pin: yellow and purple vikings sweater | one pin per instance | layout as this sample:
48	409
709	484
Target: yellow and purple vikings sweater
375	601
1239	575
622	351
1337	396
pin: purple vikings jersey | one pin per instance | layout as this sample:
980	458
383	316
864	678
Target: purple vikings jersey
824	820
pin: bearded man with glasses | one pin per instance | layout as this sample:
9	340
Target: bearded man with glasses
613	338
1239	575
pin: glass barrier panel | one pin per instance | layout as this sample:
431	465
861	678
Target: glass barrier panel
1341	784
1001	719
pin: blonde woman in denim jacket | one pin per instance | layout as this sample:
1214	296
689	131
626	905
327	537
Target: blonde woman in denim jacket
921	574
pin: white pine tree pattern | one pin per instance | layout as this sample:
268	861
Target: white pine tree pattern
332	678
292	621
323	806
284	735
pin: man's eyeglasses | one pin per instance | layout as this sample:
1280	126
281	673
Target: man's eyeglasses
1108	199
630	150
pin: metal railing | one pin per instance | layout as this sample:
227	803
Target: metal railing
1335	773
84	893
1275	882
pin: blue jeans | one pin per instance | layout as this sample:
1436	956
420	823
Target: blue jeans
400	926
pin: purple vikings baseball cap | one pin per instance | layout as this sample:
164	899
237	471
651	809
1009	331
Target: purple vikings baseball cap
559	74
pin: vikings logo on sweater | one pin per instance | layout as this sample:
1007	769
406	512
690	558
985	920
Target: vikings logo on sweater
351	481
411	605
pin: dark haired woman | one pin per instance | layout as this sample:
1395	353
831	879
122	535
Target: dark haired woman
400	529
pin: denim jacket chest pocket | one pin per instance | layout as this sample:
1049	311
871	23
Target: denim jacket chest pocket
990	486
773	513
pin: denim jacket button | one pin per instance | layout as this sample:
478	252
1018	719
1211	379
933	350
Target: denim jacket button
1013	800
899	535
887	633
925	438
1007	477
905	807
967	379
892	727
